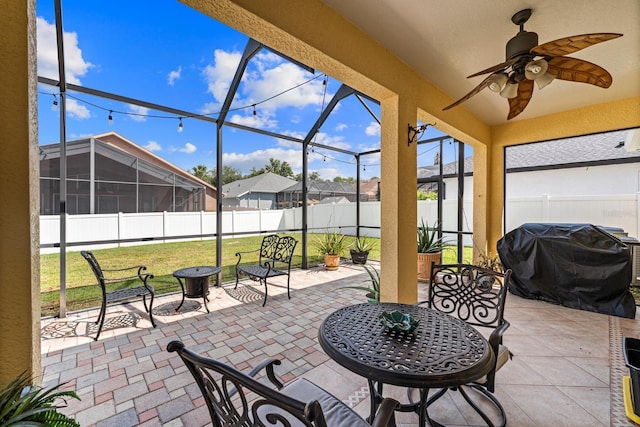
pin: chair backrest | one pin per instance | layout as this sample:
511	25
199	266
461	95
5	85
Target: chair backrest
471	293
269	246
284	249
95	267
236	399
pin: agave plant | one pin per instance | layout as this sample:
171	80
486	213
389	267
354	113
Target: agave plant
428	240
24	404
373	293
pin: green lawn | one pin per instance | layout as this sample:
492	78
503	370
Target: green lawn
162	260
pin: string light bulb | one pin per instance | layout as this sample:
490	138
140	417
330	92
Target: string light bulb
110	117
54	106
180	125
254	110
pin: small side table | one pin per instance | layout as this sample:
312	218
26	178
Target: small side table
197	282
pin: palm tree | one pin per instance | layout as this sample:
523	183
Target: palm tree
202	172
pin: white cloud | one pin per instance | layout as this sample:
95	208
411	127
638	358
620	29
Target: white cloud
153	146
335	141
267	75
75	65
340	127
173	76
219	75
139	113
373	129
259	121
188	148
76	110
260	158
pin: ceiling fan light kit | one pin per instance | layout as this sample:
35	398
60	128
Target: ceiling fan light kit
526	62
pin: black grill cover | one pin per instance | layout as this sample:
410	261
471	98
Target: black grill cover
575	265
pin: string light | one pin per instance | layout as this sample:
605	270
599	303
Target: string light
180	125
161	116
110	117
54	106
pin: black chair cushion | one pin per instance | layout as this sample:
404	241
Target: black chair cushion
336	412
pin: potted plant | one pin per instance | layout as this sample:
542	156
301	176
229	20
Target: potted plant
429	249
491	262
373	292
360	250
331	244
22	403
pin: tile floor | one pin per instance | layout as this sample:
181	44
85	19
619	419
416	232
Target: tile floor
566	370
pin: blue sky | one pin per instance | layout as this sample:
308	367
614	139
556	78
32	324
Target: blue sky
165	53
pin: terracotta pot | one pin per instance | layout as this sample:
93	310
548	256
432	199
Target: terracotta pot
331	262
424	264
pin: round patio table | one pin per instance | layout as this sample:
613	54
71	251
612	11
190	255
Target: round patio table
441	352
197	282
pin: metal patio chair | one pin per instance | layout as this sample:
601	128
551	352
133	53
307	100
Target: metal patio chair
122	293
477	296
237	399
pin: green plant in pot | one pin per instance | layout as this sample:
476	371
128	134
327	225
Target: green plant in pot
331	244
372	292
360	250
24	404
429	249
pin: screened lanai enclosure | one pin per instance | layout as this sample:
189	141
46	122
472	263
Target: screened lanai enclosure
103	179
140	203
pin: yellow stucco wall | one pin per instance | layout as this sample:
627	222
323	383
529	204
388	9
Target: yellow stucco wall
19	257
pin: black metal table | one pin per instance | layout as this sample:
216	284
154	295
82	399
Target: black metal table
442	352
197	282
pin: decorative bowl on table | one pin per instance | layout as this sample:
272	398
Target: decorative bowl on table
398	321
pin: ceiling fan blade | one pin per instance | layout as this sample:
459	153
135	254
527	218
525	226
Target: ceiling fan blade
572	44
578	70
475	90
495	68
519	103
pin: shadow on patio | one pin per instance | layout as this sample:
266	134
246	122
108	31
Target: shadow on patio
566	370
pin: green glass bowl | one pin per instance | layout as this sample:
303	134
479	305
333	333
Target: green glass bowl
398	321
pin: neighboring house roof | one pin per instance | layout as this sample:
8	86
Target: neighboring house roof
603	148
370	187
323	187
267	182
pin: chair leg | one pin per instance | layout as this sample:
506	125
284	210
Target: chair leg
265	291
101	316
479	388
150	309
237	278
288	294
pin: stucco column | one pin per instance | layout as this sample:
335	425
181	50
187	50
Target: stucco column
19	220
398	209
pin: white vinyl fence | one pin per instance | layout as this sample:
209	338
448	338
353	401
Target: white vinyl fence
610	210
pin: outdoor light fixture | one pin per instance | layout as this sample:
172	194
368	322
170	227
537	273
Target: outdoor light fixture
110	117
415	133
537	71
497	82
180	125
510	90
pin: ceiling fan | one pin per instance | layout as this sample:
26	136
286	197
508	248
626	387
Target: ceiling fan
526	62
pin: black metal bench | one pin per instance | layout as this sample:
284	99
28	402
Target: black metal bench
274	251
124	293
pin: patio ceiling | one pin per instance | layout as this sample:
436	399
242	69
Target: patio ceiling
446	42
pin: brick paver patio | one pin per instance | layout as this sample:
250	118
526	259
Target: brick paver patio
566	371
